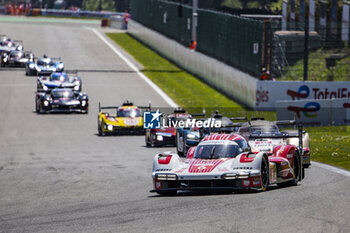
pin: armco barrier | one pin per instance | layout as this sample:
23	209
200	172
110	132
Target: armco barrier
315	112
234	83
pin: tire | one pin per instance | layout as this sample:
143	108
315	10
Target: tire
167	193
148	144
306	165
264	173
296	170
99	129
36	106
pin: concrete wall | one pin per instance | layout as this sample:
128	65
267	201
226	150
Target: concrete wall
234	83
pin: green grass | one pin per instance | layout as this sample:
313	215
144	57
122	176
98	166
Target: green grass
328	144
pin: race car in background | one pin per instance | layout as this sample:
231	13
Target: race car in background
17	58
59	79
188	137
225	162
44	66
264	135
127	118
61	100
166	134
7	45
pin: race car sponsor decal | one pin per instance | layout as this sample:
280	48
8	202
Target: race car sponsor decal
131	121
204	166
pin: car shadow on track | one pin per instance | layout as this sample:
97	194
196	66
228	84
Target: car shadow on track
216	193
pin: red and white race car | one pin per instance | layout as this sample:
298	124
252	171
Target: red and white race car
263	135
225	162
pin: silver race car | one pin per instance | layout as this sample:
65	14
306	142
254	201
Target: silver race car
59	79
44	66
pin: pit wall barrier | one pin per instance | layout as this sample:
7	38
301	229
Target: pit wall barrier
315	112
234	83
242	87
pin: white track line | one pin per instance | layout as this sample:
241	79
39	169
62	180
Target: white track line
331	168
133	67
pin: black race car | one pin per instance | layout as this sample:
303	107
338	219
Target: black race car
16	58
61	100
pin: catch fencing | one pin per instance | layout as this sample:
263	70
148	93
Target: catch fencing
235	40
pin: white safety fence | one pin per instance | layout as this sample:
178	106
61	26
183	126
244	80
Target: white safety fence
236	84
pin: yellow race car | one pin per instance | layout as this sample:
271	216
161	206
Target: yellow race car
128	119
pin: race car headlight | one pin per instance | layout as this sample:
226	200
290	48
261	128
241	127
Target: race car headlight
38	69
191	136
60	66
46	103
45	88
166	176
159	137
229	176
76	88
110	127
83	103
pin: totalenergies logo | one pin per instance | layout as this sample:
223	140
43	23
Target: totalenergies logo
309	109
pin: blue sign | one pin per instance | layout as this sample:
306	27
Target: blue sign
151	120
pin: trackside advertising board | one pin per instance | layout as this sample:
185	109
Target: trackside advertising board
269	92
315	112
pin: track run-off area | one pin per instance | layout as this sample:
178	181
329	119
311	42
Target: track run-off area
58	175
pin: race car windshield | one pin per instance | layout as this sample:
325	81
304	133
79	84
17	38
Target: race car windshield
128	113
59	77
45	62
16	55
264	129
217	151
62	93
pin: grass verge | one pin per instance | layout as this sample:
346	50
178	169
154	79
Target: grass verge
329	145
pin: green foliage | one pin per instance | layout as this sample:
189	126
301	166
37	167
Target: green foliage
232	3
317	68
254	4
94	5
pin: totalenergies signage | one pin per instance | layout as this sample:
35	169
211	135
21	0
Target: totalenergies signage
315	112
269	92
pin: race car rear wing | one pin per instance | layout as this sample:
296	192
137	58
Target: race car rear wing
149	107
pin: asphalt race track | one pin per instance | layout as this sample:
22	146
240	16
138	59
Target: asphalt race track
57	175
